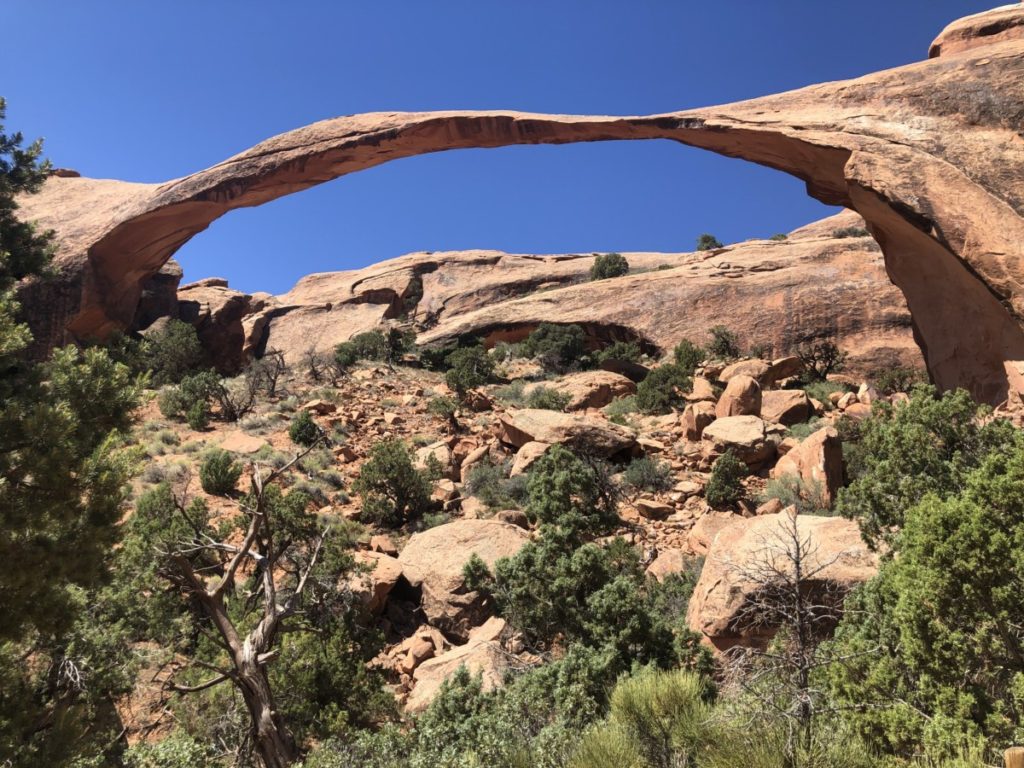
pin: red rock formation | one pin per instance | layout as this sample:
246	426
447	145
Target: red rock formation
929	154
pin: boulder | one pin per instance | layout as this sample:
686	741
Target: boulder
433	561
667	562
589	389
653	510
442	454
785	406
583	433
817	461
702	389
481	655
696	416
837	557
706	528
755	369
746	436
374	585
526	456
742	397
783	368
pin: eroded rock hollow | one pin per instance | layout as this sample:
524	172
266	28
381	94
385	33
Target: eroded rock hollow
930	155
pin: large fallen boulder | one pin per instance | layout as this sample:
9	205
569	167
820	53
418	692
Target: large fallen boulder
818	462
746	553
589	389
742	397
481	655
379	575
785	406
747	437
588	434
433	561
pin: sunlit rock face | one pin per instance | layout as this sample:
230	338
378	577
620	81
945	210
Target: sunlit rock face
929	154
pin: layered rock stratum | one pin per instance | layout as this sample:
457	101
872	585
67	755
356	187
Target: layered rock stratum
930	154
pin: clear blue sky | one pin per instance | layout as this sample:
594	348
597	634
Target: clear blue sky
148	91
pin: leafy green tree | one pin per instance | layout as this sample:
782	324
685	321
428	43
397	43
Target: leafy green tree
557	347
564	587
609	265
470	367
620	350
725	486
708	242
820	359
382	345
63	473
725	345
172	352
219	472
688	356
393	491
663	389
936	658
928	445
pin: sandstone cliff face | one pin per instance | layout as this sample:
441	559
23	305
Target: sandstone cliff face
929	154
810	286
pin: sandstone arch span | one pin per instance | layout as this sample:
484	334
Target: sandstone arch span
930	154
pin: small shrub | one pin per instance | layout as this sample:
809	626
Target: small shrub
662	389
618	410
168	437
219	472
896	380
844	232
512	393
470	367
548	399
332	477
688	356
646	474
820	359
445	408
761	351
393	491
609	265
820	391
316	460
313	491
725	486
779	237
708	242
724	343
198	415
808	497
620	350
303	430
488	483
808	428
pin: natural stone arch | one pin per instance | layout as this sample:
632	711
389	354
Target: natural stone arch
930	155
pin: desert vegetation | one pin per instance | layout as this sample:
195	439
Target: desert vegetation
554	545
